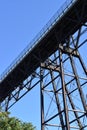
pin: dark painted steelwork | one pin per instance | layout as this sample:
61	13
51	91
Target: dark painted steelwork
58	64
78	83
64	26
64	92
57	99
42	98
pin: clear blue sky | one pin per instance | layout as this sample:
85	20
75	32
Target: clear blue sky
20	21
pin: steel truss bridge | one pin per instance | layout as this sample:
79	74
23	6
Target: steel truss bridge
55	61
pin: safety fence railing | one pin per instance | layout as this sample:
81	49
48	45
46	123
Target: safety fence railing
67	5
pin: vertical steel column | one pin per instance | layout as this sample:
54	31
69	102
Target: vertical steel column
78	83
7	103
73	106
64	92
42	99
57	101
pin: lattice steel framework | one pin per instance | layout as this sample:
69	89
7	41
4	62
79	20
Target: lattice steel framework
63	84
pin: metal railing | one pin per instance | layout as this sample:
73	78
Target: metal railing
58	15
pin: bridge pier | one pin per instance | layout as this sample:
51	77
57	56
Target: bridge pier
57	63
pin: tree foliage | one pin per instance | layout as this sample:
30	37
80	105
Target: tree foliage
12	123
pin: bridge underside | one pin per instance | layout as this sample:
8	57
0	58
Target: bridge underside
66	26
60	70
62	79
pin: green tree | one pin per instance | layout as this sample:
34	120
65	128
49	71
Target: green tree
12	123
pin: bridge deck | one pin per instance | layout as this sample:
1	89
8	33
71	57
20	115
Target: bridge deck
64	26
